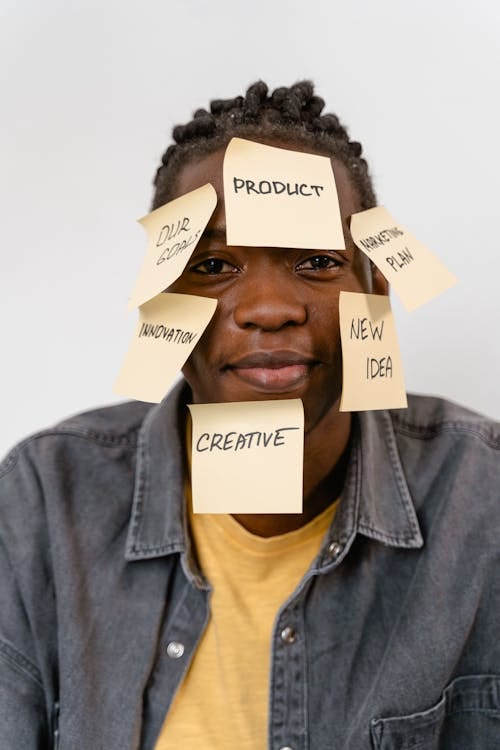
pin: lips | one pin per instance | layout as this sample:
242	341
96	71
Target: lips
272	371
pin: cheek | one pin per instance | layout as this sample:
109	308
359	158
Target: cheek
324	312
196	372
199	359
206	356
180	286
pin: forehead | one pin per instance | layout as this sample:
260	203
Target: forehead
208	168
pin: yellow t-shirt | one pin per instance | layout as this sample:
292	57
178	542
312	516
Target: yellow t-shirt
222	704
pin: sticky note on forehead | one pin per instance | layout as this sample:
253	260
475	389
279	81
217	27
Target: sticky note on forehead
280	198
416	275
169	327
371	362
247	457
173	232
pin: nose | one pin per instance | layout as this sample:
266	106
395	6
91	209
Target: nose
268	299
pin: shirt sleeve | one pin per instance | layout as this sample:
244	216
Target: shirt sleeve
23	703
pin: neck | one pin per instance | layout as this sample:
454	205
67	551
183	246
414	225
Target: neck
326	454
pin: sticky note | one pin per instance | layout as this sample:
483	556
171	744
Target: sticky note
372	368
247	457
169	327
416	275
280	198
173	232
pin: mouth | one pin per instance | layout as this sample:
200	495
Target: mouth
274	372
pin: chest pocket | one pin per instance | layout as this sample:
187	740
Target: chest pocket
466	718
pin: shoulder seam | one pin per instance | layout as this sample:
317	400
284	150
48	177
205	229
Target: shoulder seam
108	439
459	427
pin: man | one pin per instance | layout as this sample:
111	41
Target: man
368	620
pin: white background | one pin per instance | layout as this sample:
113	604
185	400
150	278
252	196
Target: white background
89	93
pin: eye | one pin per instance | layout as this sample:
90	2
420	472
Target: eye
318	263
213	267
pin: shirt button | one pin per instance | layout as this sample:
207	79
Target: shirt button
175	649
334	550
287	636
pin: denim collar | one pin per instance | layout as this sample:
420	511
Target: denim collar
376	500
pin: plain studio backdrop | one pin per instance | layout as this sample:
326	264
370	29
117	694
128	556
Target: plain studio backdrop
89	93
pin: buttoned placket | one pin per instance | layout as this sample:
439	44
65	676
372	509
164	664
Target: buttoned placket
288	721
178	642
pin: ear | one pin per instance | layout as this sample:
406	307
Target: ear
380	283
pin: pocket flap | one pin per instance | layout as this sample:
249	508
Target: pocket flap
474	694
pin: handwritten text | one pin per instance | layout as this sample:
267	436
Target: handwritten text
378	240
159	331
235	441
275	187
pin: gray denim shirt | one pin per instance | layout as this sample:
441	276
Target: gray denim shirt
396	623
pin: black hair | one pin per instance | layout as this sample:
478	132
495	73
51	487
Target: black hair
289	113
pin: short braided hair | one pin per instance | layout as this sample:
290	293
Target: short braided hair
288	113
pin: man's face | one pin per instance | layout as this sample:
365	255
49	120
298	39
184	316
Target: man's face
275	333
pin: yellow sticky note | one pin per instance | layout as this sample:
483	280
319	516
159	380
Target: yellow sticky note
412	270
173	232
372	369
247	457
169	327
280	198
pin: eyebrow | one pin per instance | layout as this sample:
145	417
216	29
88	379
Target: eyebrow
219	233
215	233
